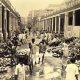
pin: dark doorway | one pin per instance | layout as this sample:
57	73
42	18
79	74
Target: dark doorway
62	20
70	18
77	17
53	24
8	27
57	23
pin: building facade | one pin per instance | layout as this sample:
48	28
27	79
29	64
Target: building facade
9	19
66	20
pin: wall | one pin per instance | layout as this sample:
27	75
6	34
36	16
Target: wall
72	31
0	18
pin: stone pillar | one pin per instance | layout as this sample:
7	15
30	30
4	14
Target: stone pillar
11	23
43	24
0	18
1	35
47	25
52	24
73	18
14	27
72	32
10	20
55	24
5	25
66	24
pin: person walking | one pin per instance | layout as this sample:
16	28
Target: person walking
65	54
72	70
33	51
42	49
20	70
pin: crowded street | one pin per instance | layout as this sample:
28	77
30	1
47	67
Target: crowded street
51	69
39	40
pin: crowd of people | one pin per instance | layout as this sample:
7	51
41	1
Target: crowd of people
20	67
27	62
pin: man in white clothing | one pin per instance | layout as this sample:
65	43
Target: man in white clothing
72	70
20	70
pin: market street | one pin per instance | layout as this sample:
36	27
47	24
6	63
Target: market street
39	39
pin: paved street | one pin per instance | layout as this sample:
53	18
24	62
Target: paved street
46	71
50	70
55	24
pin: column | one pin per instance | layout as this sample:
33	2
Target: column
43	24
73	18
72	32
1	35
66	24
55	24
10	21
0	18
13	20
47	25
52	24
5	25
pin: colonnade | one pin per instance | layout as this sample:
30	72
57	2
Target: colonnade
59	23
8	21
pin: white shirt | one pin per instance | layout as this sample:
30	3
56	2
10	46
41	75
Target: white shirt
33	48
65	50
54	40
71	71
20	71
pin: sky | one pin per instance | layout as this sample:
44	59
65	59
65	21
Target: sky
24	6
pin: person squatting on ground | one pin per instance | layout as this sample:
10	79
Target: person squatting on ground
42	49
72	70
20	70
